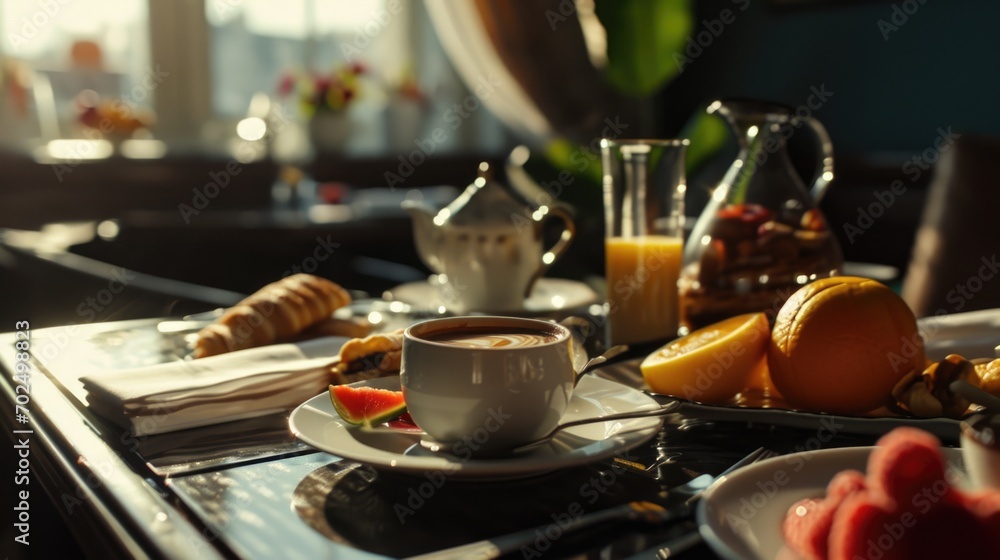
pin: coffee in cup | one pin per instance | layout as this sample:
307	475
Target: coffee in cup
492	337
483	385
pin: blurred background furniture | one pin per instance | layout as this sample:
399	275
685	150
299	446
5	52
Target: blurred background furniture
954	265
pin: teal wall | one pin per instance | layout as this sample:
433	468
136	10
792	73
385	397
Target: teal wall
940	68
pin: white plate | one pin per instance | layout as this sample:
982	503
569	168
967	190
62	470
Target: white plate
548	295
740	516
974	334
317	423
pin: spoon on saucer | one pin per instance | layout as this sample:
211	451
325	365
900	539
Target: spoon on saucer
664	410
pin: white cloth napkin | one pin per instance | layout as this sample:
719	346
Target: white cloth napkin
973	334
233	386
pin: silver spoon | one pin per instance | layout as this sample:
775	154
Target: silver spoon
668	408
663	410
975	395
598	360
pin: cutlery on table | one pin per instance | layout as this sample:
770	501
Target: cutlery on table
670	548
646	512
976	395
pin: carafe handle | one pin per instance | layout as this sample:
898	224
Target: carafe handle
553	254
825	159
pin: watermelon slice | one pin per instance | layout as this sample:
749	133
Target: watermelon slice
404	423
809	522
904	463
903	508
366	406
801	528
862	529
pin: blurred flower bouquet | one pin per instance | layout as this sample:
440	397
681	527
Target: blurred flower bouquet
324	100
323	93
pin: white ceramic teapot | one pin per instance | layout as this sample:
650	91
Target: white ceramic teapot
488	243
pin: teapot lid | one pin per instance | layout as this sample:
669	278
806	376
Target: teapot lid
488	199
750	108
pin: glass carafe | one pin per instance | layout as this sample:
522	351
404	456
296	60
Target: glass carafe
761	235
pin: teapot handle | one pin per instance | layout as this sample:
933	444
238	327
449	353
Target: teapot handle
825	158
553	254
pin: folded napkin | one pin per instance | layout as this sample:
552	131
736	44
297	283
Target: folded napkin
973	334
191	393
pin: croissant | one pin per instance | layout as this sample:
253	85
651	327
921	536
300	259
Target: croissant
277	312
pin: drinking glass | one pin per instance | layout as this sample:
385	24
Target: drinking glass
644	219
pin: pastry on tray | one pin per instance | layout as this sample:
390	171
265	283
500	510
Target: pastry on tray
295	307
377	355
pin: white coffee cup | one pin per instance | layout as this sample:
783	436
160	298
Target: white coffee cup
483	385
981	450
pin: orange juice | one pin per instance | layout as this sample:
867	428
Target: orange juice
642	277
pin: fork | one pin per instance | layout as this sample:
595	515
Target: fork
646	512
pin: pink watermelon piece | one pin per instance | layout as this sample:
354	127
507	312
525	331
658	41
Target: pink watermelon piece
405	423
845	484
905	462
985	505
862	529
366	406
808	523
905	508
799	528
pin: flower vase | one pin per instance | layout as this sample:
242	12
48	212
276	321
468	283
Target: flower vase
404	121
329	131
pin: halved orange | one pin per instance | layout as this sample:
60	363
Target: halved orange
711	364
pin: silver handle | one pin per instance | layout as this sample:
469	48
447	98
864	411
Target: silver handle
825	157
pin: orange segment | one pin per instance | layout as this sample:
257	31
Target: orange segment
711	364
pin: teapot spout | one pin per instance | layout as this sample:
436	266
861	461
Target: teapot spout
425	235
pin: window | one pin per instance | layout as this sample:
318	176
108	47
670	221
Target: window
75	46
216	56
254	42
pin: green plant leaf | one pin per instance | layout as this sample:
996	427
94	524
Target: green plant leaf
707	134
643	37
582	163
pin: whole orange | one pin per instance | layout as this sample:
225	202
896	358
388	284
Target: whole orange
841	344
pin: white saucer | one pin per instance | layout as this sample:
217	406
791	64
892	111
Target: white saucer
738	520
317	423
548	295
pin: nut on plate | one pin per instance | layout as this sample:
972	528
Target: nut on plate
927	394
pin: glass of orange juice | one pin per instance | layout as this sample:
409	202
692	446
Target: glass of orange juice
644	188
